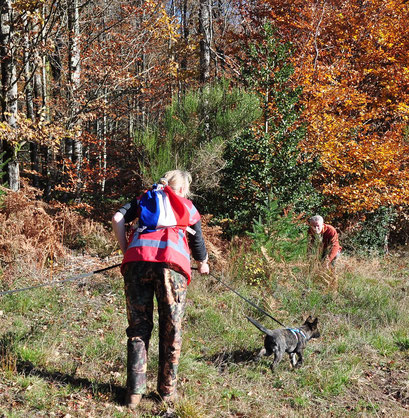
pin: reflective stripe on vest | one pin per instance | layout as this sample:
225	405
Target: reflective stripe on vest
167	245
153	243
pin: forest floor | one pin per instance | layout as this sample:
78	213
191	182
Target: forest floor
63	348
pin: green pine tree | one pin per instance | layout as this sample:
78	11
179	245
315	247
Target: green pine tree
194	133
268	162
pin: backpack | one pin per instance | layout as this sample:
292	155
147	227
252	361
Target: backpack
160	207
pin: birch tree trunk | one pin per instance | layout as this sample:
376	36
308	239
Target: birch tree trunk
102	139
41	107
29	93
205	31
39	81
9	92
74	85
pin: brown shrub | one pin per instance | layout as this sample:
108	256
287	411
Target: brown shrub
217	247
29	236
34	234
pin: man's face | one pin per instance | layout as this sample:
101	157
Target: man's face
316	226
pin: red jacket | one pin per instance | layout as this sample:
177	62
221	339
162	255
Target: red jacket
330	241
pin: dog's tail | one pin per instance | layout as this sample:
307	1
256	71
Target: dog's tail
258	325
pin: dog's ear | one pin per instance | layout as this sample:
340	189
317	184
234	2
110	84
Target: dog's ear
308	320
315	322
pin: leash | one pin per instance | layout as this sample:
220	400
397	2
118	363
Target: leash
84	275
56	282
244	298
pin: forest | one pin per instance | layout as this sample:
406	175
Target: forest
280	110
304	103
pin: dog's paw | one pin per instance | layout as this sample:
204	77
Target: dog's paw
262	353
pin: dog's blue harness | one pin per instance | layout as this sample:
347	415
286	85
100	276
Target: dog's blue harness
297	331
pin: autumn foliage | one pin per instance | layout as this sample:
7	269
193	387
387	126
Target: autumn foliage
352	60
91	76
36	235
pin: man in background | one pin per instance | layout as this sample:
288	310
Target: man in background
323	241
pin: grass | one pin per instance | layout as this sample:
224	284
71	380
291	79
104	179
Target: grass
63	349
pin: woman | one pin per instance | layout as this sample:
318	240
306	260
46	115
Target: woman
157	261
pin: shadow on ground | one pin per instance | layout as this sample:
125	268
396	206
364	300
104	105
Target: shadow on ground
226	358
117	392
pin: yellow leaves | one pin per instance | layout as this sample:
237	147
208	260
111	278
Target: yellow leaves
27	5
173	68
160	24
40	132
6	131
403	110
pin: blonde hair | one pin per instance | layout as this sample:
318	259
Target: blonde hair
178	179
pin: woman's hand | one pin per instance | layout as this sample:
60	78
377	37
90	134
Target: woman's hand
203	267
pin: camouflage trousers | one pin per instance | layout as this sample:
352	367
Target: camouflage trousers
143	280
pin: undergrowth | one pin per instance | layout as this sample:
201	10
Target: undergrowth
36	235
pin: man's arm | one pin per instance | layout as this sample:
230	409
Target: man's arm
333	244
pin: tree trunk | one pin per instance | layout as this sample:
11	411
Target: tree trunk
205	30
102	139
47	162
142	69
38	83
42	110
74	85
28	74
9	92
29	93
183	62
171	51
43	60
74	53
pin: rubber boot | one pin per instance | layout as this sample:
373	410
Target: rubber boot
134	377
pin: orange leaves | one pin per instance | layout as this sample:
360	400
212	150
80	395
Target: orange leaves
352	59
354	67
363	175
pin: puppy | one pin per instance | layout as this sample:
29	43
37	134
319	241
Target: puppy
287	340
